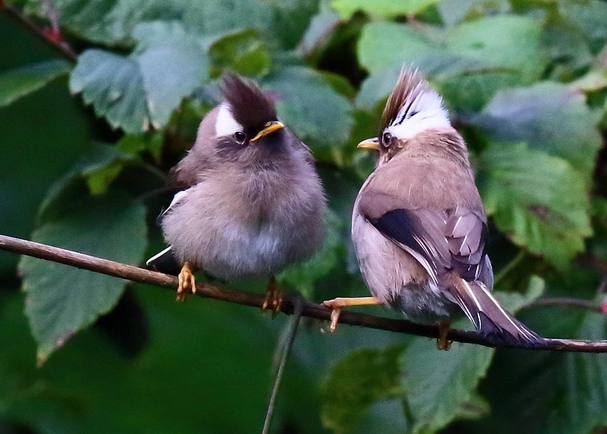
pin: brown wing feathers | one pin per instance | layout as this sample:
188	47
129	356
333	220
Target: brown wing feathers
450	245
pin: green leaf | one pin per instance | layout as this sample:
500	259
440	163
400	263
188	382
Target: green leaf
508	51
310	107
553	393
539	200
92	387
463	82
376	88
143	89
135	144
103	21
97	167
339	84
171	68
476	408
548	116
472	91
454	11
41	136
598	244
243	52
62	300
514	301
593	81
589	20
506	41
319	32
381	8
580	392
469	62
22	81
100	180
566	46
113	84
112	22
356	383
303	276
290	20
440	386
388	45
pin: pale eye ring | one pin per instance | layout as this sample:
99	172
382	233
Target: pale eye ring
386	139
240	137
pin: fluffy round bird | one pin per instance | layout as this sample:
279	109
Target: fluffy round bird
250	200
418	225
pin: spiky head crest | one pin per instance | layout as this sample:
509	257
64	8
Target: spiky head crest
249	106
413	106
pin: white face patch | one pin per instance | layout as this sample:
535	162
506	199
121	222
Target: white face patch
425	112
226	125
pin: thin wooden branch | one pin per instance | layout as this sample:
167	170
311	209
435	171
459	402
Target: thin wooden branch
52	37
591	305
310	310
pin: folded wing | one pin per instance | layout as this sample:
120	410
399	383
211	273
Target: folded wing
450	245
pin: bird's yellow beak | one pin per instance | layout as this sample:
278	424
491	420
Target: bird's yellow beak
369	144
268	129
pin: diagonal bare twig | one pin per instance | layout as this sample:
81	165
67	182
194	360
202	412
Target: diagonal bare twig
53	38
579	303
308	309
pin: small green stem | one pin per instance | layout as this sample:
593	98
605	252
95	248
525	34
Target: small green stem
286	350
153	170
509	266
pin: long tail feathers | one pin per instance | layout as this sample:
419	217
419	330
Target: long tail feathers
490	318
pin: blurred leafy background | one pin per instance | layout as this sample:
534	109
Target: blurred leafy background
86	144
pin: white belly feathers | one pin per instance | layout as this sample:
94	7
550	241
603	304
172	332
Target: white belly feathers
256	244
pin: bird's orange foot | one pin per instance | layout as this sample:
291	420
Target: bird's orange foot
337	304
273	300
187	282
442	343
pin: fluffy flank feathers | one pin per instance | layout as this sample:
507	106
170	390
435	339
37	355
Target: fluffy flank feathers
250	106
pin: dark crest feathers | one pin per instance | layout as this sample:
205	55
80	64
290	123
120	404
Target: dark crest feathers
411	83
250	106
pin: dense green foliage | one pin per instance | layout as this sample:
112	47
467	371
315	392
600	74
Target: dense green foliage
85	147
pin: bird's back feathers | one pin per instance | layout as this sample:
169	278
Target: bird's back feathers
416	180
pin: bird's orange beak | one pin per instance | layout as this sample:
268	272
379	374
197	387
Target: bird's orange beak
269	128
369	144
